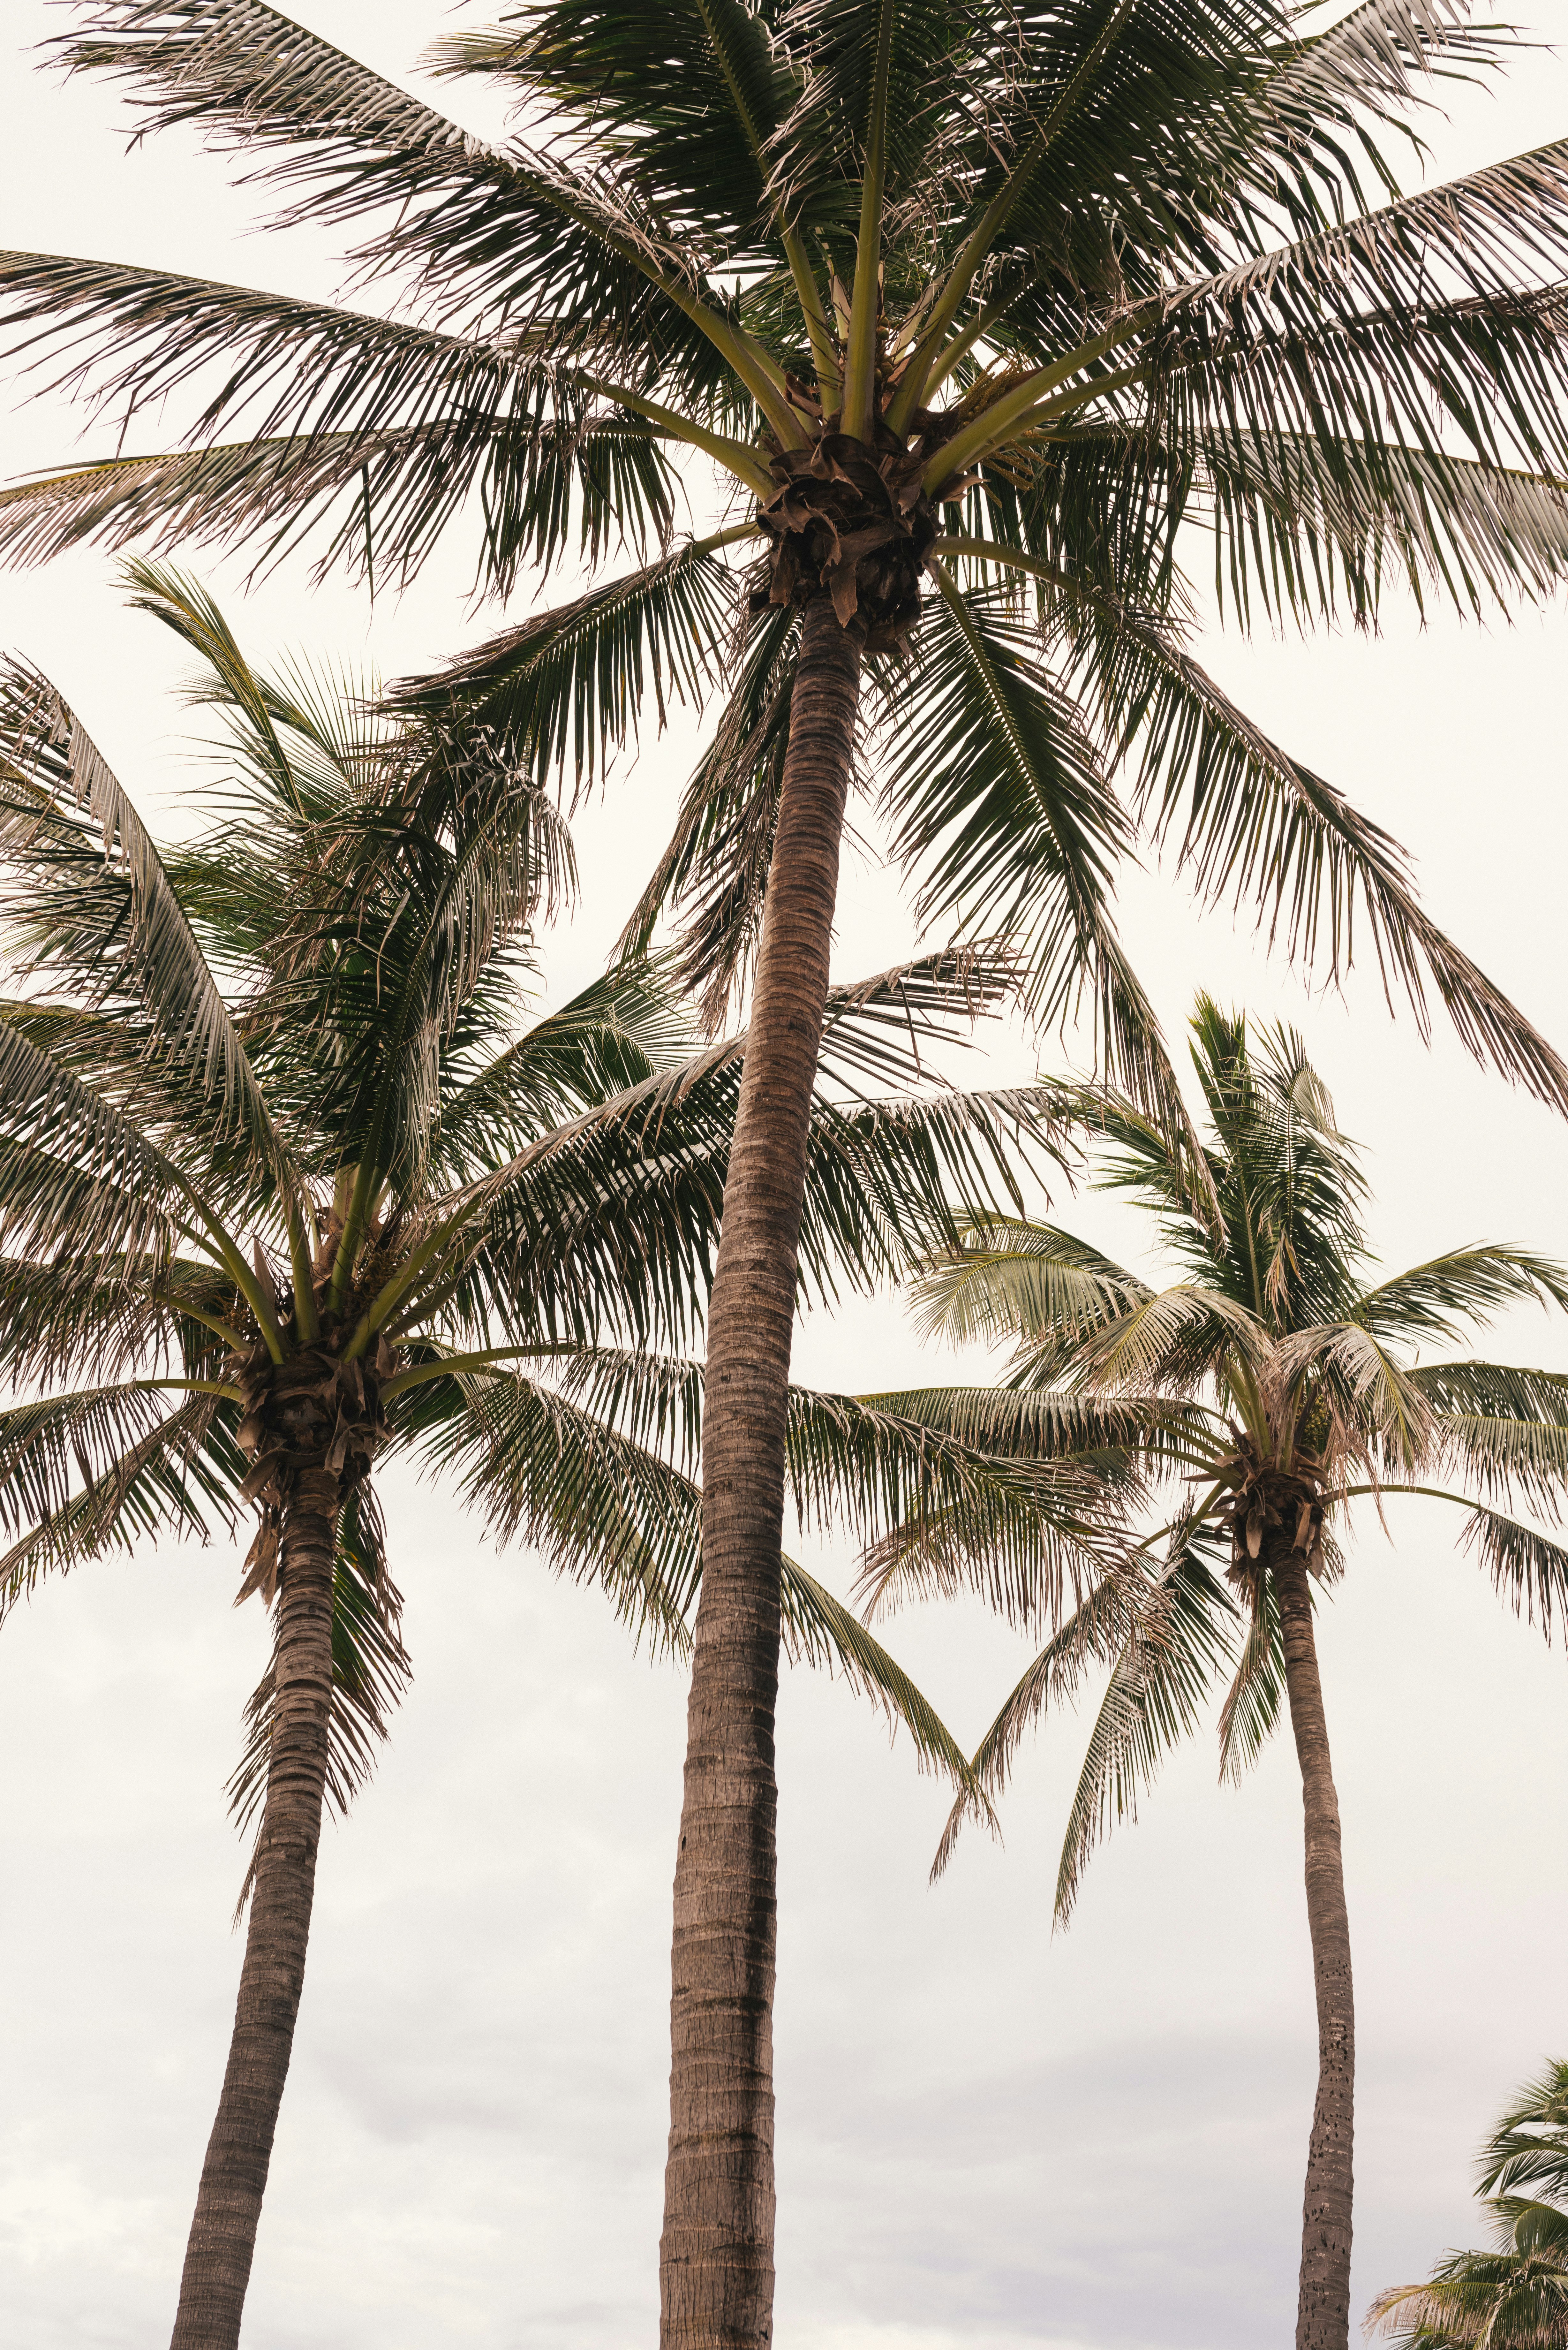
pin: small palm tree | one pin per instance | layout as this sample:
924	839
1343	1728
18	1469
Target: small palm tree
1278	1379
289	1186
1514	2297
952	318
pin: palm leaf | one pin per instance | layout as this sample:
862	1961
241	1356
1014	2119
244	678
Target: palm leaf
1523	1565
92	905
1164	1670
570	683
818	1629
1094	1633
1260	826
178	1473
1028	1282
995	790
1437	1299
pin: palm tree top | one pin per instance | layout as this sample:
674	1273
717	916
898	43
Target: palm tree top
1275	1382
957	316
1515	2295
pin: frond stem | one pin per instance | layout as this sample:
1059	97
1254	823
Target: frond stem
733	456
1028	403
865	302
991	221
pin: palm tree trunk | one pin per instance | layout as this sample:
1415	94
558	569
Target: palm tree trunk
1322	2319
233	2177
716	2256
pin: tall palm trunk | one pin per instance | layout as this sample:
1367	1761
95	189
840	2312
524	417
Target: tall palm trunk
233	2176
716	2263
1322	2319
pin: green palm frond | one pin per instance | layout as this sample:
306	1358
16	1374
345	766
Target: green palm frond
1095	1634
1435	1300
1504	1430
1363	1383
1251	824
1306	525
1525	1568
179	1472
1528	2147
1372	327
818	1629
1251	1707
89	907
1515	2298
566	687
382	431
686	101
1167	1342
614	1034
716	864
1180	1640
523	234
1031	1283
855	1462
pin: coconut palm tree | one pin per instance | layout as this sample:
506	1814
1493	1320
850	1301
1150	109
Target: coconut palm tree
950	318
1276	1375
290	1184
1514	2297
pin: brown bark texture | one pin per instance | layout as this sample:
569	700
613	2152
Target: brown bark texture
1322	2319
233	2176
716	2256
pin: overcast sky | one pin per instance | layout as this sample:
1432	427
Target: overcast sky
986	2138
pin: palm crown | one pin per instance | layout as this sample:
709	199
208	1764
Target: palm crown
1278	1377
994	298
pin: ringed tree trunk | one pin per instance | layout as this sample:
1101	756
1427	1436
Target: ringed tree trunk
233	2176
1323	2320
312	1426
716	2254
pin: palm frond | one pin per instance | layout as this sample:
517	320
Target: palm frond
175	1473
1361	1382
1306	524
89	905
1259	827
599	1506
1251	1707
1180	1639
1168	1342
1463	1285
1501	1428
1031	1527
569	684
1094	1633
615	1034
1525	1568
1031	1283
683	103
1528	2147
717	861
483	225
818	1629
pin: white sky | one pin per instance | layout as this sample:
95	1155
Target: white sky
985	2138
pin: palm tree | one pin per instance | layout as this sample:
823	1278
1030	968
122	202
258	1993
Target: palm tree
289	1185
1278	1377
953	317
1514	2297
